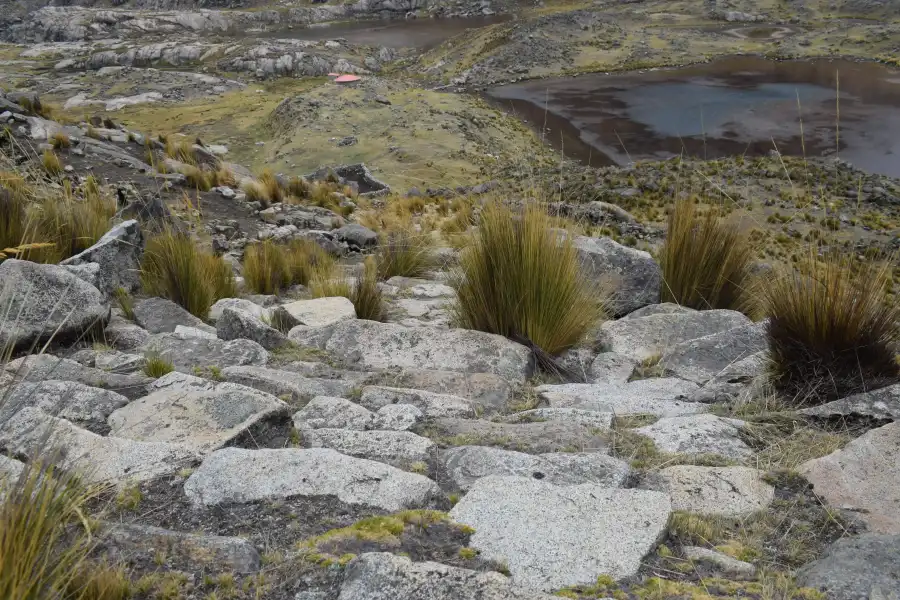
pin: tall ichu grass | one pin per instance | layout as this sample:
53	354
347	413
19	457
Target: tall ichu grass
175	268
366	295
521	279
405	253
832	330
705	261
266	268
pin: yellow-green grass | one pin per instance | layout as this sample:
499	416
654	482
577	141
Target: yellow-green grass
519	278
405	253
366	295
705	260
832	329
174	267
157	366
266	269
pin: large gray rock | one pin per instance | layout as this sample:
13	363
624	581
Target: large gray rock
397	448
204	416
465	465
611	367
375	397
863	477
356	235
99	459
41	367
489	391
235	475
880	404
10	470
633	274
123	542
333	413
698	434
664	308
84	405
536	438
397	417
726	491
318	312
159	315
39	302
383	576
260	312
853	568
119	254
125	335
702	359
655	334
557	536
375	346
287	383
238	324
187	352
662	396
588	418
738	382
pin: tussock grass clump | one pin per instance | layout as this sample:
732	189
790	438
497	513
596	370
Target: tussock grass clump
256	192
366	295
705	261
225	176
126	302
197	178
13	211
305	257
70	224
43	536
181	151
274	191
405	253
266	268
51	163
832	330
520	279
175	268
156	366
60	140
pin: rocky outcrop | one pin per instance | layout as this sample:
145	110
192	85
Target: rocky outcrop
118	253
867	566
632	276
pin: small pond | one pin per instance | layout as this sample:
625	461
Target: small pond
739	105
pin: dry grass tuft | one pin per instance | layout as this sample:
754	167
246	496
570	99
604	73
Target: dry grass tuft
225	176
266	268
51	163
156	366
832	329
256	192
405	253
182	151
60	140
305	257
175	268
705	261
366	295
520	279
197	178
126	302
70	224
270	183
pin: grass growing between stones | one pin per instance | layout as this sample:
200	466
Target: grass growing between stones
704	260
520	280
156	366
269	267
175	268
406	254
832	330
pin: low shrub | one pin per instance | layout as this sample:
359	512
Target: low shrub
705	260
518	278
175	268
832	329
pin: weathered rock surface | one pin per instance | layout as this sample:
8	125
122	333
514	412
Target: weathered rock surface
384	575
489	391
535	438
375	346
286	383
883	403
235	475
187	352
39	302
727	491
656	334
738	382
204	416
867	566
84	405
334	413
159	315
397	417
702	359
633	274
375	397
130	542
588	418
662	396
698	434
118	253
318	312
216	310
663	308
397	448
10	469
41	367
611	367
238	324
98	459
125	335
556	536
465	465
863	477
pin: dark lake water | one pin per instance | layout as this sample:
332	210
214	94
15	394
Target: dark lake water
739	105
393	33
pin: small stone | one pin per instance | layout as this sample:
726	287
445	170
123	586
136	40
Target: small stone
84	405
333	413
611	367
588	418
189	352
633	274
723	563
701	359
260	312
42	367
118	253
